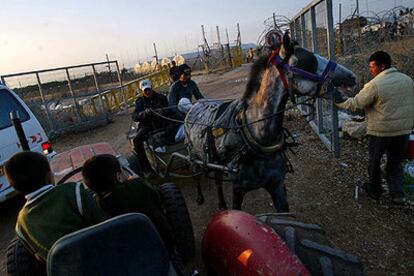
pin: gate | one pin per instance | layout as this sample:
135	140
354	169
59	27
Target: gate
313	29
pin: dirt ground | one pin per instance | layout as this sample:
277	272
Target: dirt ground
320	191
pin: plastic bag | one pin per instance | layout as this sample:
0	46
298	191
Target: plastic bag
180	134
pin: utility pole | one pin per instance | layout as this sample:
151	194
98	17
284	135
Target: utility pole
341	46
239	58
109	64
359	22
357	8
221	47
206	50
238	34
155	52
228	48
109	68
340	14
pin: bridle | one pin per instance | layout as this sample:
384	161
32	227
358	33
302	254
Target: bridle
284	69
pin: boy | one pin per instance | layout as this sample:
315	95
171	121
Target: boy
50	211
103	175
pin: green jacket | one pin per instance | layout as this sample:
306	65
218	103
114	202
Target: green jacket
388	101
137	196
51	215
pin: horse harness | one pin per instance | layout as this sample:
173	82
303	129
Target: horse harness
283	66
249	143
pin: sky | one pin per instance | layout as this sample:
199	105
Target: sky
51	33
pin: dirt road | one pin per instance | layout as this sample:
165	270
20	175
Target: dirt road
320	191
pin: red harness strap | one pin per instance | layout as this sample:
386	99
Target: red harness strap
278	66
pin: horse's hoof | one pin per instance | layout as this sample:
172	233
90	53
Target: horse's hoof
200	200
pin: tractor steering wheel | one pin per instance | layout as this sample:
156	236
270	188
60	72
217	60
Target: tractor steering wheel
69	175
79	169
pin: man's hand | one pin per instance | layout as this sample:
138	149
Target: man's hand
148	111
339	97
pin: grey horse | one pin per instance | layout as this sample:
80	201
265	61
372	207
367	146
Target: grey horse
246	135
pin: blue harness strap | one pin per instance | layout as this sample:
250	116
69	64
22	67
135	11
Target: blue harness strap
279	62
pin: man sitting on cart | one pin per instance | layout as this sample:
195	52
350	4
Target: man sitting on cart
185	87
148	121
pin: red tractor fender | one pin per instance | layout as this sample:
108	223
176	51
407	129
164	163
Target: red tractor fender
67	161
235	243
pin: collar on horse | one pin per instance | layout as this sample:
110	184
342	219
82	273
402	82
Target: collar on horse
250	141
282	66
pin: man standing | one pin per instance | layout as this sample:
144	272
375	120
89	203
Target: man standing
388	101
174	72
148	121
185	87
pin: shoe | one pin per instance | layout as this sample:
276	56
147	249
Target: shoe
374	195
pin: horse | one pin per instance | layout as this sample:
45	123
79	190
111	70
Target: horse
246	136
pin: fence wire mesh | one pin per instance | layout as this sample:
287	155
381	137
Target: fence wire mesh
310	29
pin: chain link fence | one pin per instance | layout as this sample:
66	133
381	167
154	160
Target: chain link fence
359	35
313	29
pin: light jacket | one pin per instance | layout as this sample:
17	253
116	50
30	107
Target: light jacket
388	101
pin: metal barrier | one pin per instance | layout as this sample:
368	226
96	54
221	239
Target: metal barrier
119	98
313	28
78	97
220	57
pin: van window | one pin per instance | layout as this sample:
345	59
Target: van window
9	103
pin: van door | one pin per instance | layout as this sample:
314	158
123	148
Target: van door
9	143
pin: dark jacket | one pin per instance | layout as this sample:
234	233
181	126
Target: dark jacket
178	91
138	196
142	103
52	214
174	73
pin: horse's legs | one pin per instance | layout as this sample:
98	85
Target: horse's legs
277	191
238	196
200	196
219	184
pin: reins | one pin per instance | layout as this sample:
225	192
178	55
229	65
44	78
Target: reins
156	112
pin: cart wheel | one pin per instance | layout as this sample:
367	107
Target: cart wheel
134	164
309	243
21	262
179	219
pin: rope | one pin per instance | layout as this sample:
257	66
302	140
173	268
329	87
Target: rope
155	111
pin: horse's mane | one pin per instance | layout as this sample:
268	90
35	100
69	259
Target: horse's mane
256	71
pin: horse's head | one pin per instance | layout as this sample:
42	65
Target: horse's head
300	71
306	71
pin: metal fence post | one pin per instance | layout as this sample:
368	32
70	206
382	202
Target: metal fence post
319	111
221	48
303	27
314	30
77	109
49	120
122	86
98	90
331	54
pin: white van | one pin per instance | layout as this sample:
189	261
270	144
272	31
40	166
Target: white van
9	143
